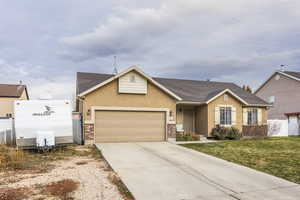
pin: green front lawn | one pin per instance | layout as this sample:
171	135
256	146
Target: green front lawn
278	156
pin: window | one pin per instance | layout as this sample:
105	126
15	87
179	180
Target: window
225	116
272	99
252	116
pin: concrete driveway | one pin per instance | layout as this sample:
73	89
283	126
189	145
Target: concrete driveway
164	171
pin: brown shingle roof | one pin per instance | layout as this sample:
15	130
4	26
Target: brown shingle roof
9	90
188	90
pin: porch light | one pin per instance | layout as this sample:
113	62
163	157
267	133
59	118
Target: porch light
88	112
171	114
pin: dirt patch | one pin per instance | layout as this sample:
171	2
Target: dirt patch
86	167
13	193
62	189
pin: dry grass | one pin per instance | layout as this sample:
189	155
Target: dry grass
62	189
121	186
31	163
13	159
13	193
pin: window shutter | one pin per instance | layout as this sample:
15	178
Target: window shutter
217	115
233	114
245	116
259	116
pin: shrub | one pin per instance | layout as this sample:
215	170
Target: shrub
187	137
222	133
219	132
234	134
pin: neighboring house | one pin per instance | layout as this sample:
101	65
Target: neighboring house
132	106
282	89
8	94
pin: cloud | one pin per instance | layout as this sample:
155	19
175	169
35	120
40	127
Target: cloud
238	41
37	80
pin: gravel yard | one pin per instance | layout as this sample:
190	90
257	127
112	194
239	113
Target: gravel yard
93	179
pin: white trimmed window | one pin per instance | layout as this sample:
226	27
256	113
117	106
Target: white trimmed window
225	116
252	118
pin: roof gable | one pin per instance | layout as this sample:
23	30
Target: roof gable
137	70
10	90
289	74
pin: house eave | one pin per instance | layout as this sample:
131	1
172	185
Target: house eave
190	103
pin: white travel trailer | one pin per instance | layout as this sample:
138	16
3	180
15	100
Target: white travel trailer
40	123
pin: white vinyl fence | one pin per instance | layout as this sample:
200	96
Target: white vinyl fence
7	133
278	128
77	128
8	137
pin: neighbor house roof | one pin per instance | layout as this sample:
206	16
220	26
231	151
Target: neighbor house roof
290	74
187	90
9	90
293	74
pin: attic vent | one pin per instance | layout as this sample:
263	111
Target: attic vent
277	77
132	79
225	97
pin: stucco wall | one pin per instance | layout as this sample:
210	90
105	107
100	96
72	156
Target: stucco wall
179	114
220	101
239	112
287	96
108	96
7	104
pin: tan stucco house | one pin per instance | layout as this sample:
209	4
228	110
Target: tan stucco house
133	106
8	94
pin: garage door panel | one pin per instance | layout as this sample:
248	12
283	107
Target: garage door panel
126	126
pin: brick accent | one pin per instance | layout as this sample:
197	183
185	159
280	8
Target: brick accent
89	131
171	128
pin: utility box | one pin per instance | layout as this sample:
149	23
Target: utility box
43	122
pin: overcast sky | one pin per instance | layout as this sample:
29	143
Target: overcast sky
44	43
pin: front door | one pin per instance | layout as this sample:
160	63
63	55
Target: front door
188	120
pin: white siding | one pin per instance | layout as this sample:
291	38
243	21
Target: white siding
132	83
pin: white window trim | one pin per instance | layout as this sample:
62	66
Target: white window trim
226	106
233	109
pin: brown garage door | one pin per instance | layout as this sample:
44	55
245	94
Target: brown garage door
129	126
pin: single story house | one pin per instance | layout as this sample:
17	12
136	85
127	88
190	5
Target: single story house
133	106
8	94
